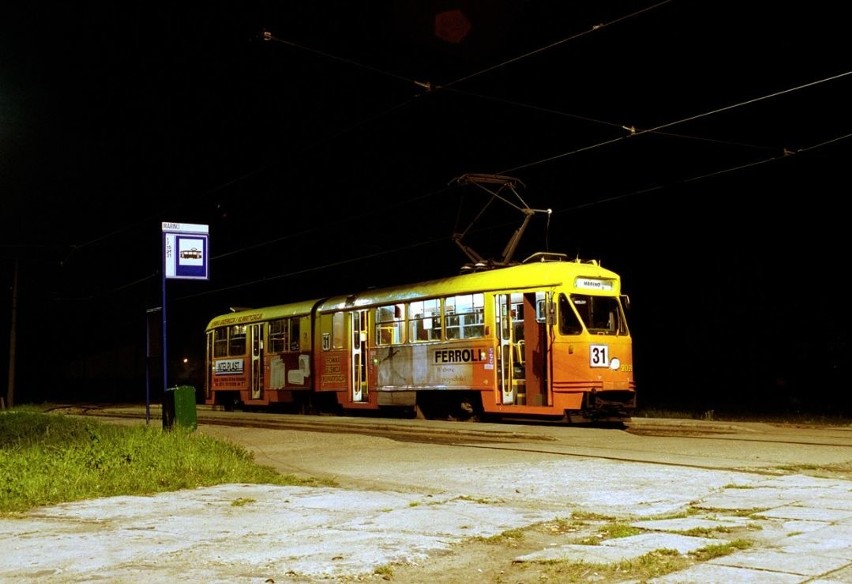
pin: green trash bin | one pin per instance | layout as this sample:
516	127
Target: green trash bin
179	407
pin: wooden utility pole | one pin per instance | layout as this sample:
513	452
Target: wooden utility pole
10	390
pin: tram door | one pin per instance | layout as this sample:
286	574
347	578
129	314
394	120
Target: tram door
511	326
358	319
256	338
536	334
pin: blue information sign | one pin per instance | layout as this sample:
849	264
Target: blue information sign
185	251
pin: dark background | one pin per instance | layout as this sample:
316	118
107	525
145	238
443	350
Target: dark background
699	149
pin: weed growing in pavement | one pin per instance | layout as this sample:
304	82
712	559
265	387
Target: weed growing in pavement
704	531
718	550
561	525
589	516
753	512
509	534
651	565
611	530
50	458
480	500
617	529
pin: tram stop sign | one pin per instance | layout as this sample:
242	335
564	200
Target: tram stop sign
185	251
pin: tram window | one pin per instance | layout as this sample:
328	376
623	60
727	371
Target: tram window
390	324
519	331
424	320
600	314
465	316
294	334
278	335
237	340
517	315
338	330
284	335
540	311
220	342
569	324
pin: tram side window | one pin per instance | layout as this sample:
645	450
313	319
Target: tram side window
284	335
390	324
465	316
278	335
295	328
424	320
237	340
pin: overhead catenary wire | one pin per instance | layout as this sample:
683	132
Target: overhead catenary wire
780	153
632	132
572	208
429	87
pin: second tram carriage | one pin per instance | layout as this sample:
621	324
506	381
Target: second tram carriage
546	338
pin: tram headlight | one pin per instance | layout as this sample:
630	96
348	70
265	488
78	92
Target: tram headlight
615	363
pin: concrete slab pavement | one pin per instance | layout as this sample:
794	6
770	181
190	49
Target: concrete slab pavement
801	526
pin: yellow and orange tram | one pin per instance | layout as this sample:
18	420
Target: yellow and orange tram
546	338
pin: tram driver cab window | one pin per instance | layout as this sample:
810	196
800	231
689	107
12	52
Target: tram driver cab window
600	314
569	324
237	340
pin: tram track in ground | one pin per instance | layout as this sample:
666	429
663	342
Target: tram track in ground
515	430
675	443
527	438
407	430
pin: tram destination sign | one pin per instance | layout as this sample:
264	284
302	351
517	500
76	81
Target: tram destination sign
185	251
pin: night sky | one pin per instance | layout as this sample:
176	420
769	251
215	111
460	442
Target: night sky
699	149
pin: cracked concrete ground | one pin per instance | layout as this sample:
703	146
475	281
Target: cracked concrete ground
420	507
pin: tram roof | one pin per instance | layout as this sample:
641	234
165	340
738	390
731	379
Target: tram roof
249	315
528	275
541	274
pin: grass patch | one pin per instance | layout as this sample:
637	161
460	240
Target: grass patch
49	458
508	535
589	516
480	500
719	550
705	531
616	530
753	512
651	565
562	525
612	530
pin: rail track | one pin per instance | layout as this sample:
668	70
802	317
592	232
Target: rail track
765	448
